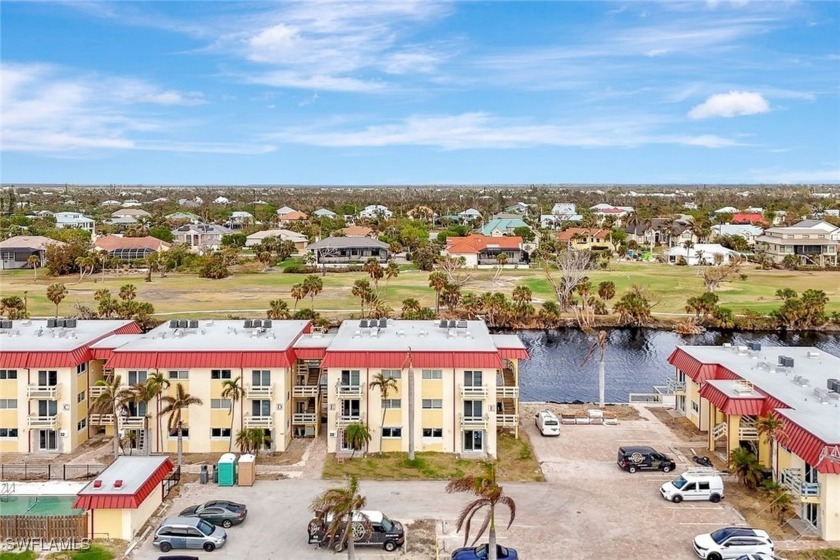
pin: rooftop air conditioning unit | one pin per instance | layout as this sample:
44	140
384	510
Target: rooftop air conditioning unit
833	385
173	324
813	355
249	324
383	322
266	323
363	323
786	361
754	346
443	323
193	324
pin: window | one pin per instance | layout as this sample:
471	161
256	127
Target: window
179	374
703	486
80	397
136	377
391	432
350	378
8	432
8	403
472	409
81	425
81	368
392	373
695	407
432	374
185	432
8	374
220	403
472	378
432	403
219	374
47	378
432	432
219	432
261	378
391	403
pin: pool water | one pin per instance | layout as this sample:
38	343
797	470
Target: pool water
38	505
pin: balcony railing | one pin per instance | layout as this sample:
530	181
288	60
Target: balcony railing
50	392
259	421
747	433
95	391
259	391
42	422
676	386
133	422
473	421
345	391
507	420
507	392
101	419
473	391
792	479
344	419
303	391
304	418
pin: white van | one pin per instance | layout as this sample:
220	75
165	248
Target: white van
694	484
547	423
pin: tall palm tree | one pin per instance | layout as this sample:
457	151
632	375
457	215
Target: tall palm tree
144	393
277	309
111	401
391	271
313	286
773	429
56	293
385	386
336	509
437	282
298	293
175	405
34	261
357	436
488	495
158	383
232	389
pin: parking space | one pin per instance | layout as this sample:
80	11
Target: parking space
588	508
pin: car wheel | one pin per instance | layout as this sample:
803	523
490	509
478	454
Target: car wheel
631	470
714	556
226	523
339	547
165	547
676	499
390	546
666	468
714	498
209	547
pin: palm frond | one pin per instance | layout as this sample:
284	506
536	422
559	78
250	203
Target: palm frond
483	528
511	505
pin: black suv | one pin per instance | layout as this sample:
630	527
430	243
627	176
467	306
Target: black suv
369	528
637	458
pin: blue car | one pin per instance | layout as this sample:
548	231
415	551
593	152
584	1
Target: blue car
481	552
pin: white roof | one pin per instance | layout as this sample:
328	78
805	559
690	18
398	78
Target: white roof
221	336
422	336
133	471
705	248
727	210
282	234
738	229
33	335
285	210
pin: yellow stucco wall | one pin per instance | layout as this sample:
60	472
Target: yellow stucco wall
830	506
692	395
108	523
139	516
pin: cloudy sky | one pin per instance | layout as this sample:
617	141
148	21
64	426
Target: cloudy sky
420	92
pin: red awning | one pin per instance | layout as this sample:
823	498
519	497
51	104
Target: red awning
58	359
513	353
13	360
691	366
133	360
310	353
126	501
426	360
752	406
807	446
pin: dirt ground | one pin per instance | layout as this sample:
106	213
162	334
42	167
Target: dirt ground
527	411
679	425
422	539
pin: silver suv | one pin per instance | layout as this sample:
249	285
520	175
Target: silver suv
188	532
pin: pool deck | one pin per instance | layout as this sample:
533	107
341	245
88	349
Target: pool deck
46	488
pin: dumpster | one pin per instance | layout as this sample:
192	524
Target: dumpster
247	470
204	476
227	469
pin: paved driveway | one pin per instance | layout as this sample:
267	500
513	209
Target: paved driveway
588	509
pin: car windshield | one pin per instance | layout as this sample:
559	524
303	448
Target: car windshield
679	482
205	527
551	423
387	524
721	535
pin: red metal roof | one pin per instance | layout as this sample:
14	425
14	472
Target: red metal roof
747	218
511	353
310	353
691	366
732	405
399	360
125	501
189	360
101	353
139	360
807	446
275	359
58	359
13	360
130	328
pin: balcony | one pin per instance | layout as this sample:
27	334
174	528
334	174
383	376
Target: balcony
473	422
507	392
42	422
344	419
101	419
259	421
49	392
473	391
792	480
305	418
133	422
348	391
259	391
675	386
305	391
747	433
507	420
95	391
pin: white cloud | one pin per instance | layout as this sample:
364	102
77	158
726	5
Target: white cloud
732	104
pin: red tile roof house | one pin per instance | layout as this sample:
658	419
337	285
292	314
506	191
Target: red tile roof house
130	247
482	250
585	238
748	218
124	496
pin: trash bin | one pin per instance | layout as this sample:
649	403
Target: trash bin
204	476
215	474
247	470
227	469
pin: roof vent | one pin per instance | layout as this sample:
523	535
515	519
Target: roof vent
118	483
374	332
742	349
813	355
209	323
727	345
97	484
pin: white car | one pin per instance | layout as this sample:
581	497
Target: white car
731	543
759	556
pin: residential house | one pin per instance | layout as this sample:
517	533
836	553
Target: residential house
586	239
726	210
660	231
376	211
748	218
355	231
349	250
561	213
221	200
285	210
701	254
469	215
483	250
503	224
724	390
130	248
133	212
605	211
74	220
15	251
518	208
200	237
289	217
747	231
690	206
813	242
239	219
299	239
324	213
184	217
186	203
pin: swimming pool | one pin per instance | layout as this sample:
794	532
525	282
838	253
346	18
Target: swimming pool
49	506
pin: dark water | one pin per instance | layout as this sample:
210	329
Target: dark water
636	359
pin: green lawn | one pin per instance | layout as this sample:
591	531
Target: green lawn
824	554
187	296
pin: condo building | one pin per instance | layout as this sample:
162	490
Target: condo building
723	390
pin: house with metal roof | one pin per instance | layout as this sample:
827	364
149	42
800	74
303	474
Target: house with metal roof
812	242
15	251
299	239
724	390
501	226
349	250
324	213
747	231
74	220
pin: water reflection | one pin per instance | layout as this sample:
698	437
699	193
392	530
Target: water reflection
635	358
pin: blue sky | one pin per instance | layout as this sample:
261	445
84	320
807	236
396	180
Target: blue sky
420	93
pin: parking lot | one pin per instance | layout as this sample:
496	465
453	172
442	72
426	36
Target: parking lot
587	509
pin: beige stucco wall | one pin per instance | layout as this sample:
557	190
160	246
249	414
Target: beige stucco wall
830	506
108	523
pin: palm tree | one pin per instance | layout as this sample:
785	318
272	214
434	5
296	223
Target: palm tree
313	286
437	282
278	309
745	467
385	386
298	293
357	436
56	293
488	495
375	271
232	389
175	405
336	509
251	440
158	383
361	289
143	393
33	261
111	401
773	429
391	271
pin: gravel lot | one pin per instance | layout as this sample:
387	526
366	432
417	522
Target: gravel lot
588	509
